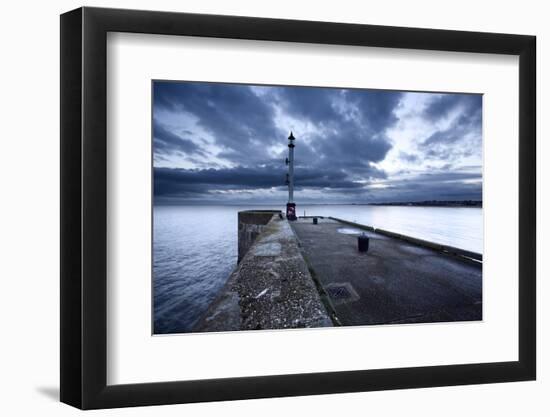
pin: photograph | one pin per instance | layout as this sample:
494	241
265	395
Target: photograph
292	207
258	205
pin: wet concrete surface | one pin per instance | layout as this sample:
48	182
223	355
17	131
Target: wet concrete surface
394	282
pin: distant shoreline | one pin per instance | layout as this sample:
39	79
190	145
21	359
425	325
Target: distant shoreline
431	203
427	203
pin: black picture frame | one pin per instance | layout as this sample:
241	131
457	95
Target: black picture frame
84	207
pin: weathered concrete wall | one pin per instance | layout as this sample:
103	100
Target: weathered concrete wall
251	224
271	288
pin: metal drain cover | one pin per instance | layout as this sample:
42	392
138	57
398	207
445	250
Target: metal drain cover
341	292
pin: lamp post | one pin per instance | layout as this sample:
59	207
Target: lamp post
290	206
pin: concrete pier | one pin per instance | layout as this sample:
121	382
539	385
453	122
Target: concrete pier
397	280
271	288
306	274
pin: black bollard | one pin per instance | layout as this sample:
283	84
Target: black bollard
363	243
315	220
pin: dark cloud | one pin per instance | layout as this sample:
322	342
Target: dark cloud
436	185
462	137
314	104
351	124
236	117
205	184
446	103
174	180
376	109
182	182
168	142
346	136
418	191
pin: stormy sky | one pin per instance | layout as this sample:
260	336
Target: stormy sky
226	144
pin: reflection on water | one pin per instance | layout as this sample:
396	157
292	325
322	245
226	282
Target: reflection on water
195	247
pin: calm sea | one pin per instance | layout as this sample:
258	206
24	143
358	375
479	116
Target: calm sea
195	248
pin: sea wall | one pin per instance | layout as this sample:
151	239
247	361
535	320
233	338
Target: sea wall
271	287
251	224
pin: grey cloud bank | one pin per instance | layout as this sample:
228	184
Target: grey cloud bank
226	143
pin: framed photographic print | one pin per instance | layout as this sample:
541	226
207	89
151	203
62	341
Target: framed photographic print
258	207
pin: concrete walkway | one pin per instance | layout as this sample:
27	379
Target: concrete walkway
394	282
